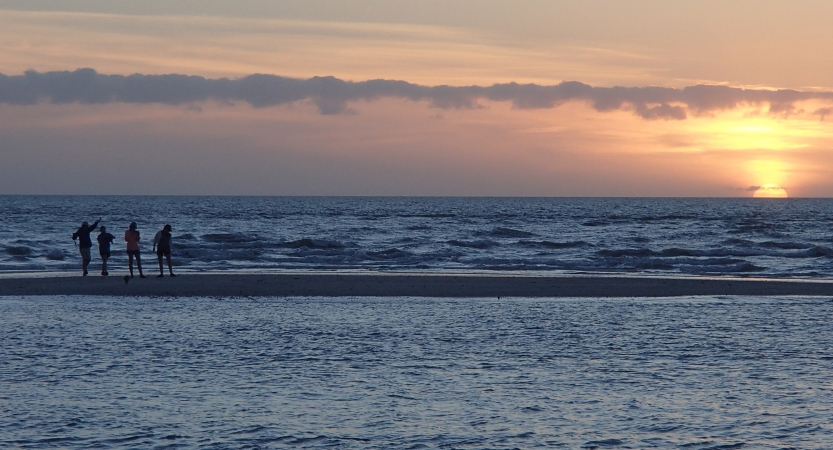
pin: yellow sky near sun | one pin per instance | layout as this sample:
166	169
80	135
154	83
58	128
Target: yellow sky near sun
736	149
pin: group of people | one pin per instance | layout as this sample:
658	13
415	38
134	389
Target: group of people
161	246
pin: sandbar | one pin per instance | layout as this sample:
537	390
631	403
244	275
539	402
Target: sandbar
409	285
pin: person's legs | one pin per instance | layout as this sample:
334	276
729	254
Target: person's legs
85	259
104	258
161	272
170	269
139	265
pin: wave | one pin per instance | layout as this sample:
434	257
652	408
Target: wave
55	254
555	245
391	253
675	252
627	252
742	267
756	228
688	265
507	232
313	244
213	255
28	267
817	251
429	215
785	245
738	241
230	238
642	219
480	244
19	251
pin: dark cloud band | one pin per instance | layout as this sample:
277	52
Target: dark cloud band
333	95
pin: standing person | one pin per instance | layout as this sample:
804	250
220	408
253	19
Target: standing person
104	240
83	234
162	247
132	237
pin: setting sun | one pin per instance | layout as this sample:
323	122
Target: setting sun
770	191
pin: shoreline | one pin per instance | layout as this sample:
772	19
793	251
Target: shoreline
407	285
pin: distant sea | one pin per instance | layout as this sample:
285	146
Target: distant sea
658	236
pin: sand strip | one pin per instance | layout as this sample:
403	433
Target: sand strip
405	285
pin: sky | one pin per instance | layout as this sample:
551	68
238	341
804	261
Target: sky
455	97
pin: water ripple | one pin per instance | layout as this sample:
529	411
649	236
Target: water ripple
694	373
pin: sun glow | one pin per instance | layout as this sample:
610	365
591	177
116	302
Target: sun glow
770	191
762	134
767	171
750	147
772	173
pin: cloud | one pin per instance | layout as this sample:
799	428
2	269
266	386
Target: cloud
823	112
333	96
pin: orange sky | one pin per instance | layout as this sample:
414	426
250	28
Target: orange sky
393	146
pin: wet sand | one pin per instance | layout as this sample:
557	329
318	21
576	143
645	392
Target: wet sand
406	285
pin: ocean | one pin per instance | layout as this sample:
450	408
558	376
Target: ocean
783	238
703	373
696	373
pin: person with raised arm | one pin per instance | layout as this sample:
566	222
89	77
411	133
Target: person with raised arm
162	247
83	235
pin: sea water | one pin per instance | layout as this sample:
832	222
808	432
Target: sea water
369	373
714	237
693	373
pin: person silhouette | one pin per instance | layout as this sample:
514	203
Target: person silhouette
104	240
162	247
83	235
132	237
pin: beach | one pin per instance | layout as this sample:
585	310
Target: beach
408	285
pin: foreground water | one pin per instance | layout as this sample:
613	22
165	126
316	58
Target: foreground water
692	373
745	237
